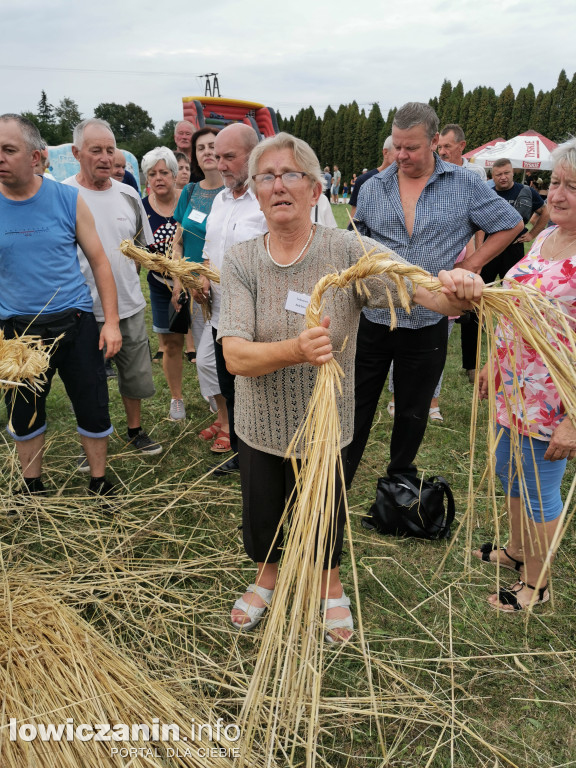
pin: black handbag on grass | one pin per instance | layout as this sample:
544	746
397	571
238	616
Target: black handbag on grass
408	506
179	322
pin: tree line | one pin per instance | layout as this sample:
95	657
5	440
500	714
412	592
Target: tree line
131	124
348	137
352	139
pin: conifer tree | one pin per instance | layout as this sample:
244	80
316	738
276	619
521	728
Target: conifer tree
351	126
486	111
327	137
374	127
473	132
313	132
557	125
541	115
362	155
445	92
298	120
464	114
305	124
451	112
45	110
522	111
339	150
503	113
570	109
388	124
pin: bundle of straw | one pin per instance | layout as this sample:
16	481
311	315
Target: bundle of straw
23	362
187	272
55	667
285	691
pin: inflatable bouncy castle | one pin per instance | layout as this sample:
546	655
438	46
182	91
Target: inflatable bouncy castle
213	110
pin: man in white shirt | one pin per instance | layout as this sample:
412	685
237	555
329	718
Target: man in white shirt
235	216
119	215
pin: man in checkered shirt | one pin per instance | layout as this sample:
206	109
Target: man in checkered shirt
426	210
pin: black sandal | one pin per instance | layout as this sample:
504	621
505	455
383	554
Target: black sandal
508	597
486	549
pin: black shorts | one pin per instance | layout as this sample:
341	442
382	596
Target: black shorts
267	484
81	367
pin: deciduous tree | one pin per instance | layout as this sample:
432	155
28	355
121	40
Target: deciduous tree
127	121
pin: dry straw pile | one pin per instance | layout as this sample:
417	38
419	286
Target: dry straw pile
56	669
125	619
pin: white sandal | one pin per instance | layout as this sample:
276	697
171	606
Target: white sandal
345	622
435	415
255	613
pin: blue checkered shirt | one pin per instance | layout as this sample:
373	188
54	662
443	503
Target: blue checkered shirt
453	205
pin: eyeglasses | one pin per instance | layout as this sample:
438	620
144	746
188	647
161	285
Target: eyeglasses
289	179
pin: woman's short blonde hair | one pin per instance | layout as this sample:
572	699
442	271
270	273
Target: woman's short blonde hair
304	156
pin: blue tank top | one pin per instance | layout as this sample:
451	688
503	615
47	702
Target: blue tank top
39	268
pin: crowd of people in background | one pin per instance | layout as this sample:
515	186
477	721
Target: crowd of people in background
271	204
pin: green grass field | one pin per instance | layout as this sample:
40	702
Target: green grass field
458	684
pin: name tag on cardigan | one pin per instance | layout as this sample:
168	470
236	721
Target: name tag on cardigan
297	302
197	216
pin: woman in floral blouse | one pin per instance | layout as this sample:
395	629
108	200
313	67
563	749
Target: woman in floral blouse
547	434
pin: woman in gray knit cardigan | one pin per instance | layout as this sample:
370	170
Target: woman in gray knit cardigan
266	286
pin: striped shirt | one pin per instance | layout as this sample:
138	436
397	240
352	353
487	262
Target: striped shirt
453	205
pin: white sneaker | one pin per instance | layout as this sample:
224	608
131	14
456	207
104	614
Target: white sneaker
82	463
177	410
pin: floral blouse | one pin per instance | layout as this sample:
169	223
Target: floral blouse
535	406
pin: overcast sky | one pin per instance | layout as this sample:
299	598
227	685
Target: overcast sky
286	55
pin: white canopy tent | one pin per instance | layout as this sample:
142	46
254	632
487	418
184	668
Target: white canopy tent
529	150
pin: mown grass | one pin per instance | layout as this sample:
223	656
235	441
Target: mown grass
171	563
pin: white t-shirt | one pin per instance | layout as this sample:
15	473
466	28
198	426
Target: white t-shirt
322	213
119	215
477	169
231	220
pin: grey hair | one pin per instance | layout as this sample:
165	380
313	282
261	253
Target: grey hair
388	144
78	134
30	132
565	155
183	122
304	155
416	113
155	155
456	130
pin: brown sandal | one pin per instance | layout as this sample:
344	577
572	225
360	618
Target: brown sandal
210	432
222	443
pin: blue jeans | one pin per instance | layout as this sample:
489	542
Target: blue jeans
537	471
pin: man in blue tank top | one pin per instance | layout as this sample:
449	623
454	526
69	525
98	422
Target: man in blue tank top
43	292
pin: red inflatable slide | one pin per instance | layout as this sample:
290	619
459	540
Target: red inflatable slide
212	110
